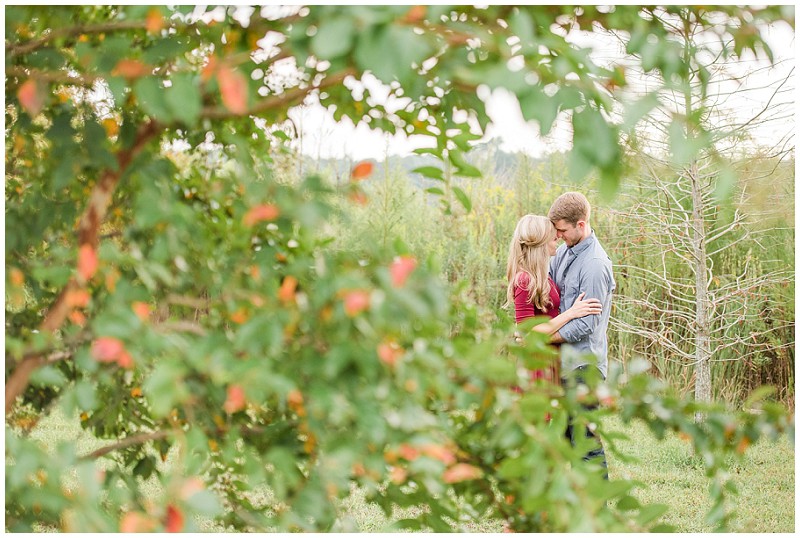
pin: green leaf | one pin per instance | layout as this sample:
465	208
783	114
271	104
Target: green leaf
463	198
152	99
683	149
639	109
48	375
435	190
205	503
726	182
536	105
650	513
429	171
183	97
463	168
333	39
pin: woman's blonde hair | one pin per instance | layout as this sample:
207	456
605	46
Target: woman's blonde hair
528	253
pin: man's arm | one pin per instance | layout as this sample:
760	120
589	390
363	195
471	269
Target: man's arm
595	284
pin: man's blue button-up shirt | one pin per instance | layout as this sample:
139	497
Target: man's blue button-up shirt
584	268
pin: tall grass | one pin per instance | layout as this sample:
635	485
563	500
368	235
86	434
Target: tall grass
472	248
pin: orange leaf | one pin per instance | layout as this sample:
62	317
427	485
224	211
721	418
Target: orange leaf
361	171
400	269
294	398
260	213
408	452
461	472
30	97
128	68
358	197
287	292
398	475
438	452
191	486
111	126
154	22
79	298
389	353
17	277
136	522
743	444
174	519
416	13
124	360
77	317
240	316
236	400
233	88
141	309
209	69
87	261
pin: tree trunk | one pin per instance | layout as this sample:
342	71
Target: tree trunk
702	386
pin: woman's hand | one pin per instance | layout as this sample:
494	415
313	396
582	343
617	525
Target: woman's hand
583	308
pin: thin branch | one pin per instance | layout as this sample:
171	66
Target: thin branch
290	97
15	49
128	441
88	229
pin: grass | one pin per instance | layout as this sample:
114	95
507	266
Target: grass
670	473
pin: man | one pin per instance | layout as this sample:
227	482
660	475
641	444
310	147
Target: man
581	265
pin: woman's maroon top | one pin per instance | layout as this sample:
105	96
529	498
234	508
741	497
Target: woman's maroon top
524	310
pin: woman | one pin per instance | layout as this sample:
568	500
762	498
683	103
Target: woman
531	289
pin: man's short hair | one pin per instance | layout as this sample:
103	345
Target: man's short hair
571	207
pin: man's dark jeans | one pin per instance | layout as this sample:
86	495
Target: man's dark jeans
597	455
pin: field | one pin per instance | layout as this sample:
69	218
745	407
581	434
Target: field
670	473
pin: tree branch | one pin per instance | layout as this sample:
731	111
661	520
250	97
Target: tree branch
288	98
88	229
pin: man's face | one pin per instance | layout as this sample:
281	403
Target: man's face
570	233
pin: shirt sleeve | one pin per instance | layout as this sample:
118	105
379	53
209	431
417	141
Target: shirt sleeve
596	284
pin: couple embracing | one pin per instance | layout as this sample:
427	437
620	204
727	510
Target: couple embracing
571	284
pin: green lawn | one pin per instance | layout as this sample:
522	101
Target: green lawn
672	476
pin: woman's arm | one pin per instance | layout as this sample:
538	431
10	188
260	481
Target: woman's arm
578	310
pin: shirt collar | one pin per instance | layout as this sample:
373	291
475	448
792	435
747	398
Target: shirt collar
583	245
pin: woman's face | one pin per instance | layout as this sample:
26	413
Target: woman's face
552	245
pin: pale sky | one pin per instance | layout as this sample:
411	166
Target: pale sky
323	136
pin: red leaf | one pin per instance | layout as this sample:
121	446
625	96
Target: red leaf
356	301
461	472
236	400
107	349
233	88
110	349
30	97
260	213
174	519
128	68
400	269
87	261
389	352
124	360
361	171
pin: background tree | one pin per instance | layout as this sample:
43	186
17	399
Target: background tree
168	289
693	207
